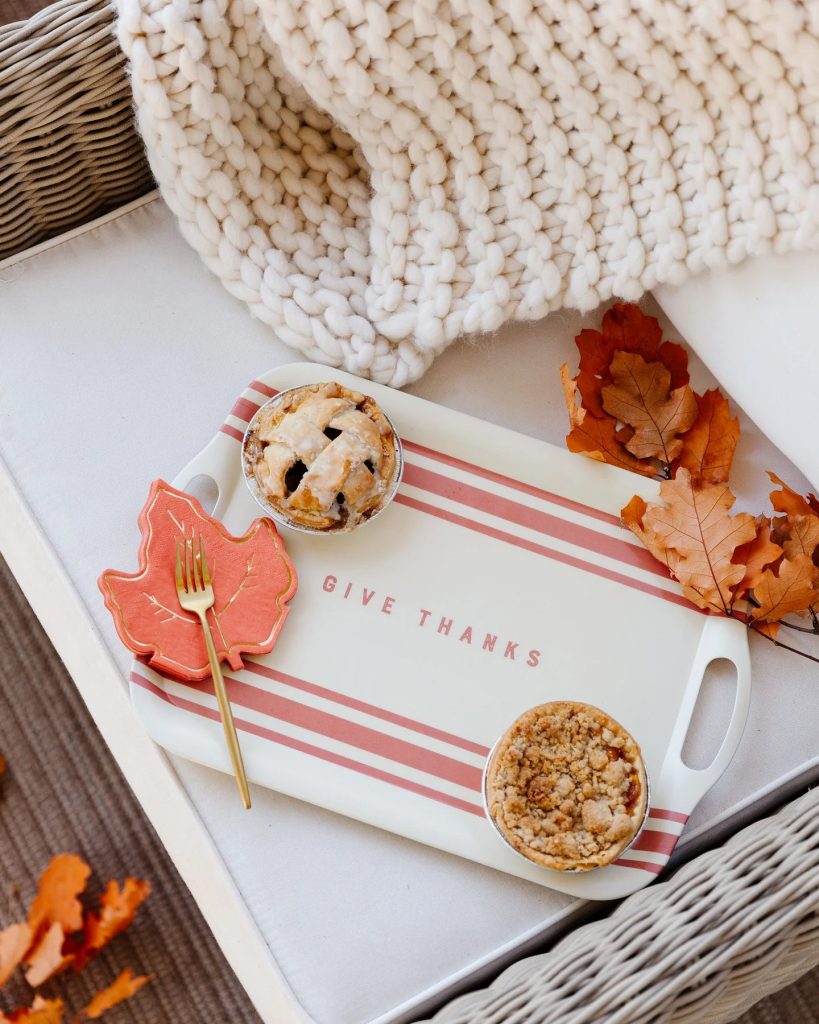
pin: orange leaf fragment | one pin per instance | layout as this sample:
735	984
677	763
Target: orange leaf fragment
123	987
787	500
46	958
42	1011
708	447
56	900
756	555
792	589
118	907
802	536
596	438
695	523
641	396
14	941
3	765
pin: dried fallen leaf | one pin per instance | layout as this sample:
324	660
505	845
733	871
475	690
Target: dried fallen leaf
46	959
708	447
787	500
801	537
14	941
792	589
42	1011
117	909
756	556
597	438
56	900
625	328
632	516
695	523
3	765
123	987
641	396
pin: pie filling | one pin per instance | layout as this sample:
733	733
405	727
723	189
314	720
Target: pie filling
323	456
566	786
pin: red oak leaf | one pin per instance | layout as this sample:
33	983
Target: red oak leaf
626	328
253	579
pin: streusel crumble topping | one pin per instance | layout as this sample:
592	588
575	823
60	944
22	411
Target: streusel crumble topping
566	786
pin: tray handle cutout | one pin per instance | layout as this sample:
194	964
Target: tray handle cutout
220	466
685	786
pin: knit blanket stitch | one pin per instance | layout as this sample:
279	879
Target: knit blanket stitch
375	178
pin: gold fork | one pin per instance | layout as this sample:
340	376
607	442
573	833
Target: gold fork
195	592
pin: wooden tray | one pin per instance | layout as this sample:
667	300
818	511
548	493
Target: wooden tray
499	578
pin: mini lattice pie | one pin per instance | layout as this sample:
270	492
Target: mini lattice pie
566	786
323	457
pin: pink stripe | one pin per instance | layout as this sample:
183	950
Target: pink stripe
244	409
389	747
370	709
487	474
657	812
313	751
533	519
656	842
237	435
642	865
518	485
538	549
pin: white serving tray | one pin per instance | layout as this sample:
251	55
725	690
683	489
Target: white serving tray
386	689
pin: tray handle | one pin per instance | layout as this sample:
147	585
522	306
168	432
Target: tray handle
683	786
220	461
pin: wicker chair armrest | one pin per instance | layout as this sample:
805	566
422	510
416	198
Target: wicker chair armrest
70	149
727	929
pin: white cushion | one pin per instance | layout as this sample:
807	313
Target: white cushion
121	357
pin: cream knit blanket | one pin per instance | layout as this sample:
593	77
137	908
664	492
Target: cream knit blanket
376	177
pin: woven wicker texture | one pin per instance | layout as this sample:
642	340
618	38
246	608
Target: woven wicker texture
727	929
69	149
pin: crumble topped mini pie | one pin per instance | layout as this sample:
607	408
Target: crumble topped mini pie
323	457
566	786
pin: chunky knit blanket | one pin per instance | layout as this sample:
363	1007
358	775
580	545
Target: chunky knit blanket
376	177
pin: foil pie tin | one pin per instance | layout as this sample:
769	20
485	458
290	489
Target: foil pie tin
499	833
280	516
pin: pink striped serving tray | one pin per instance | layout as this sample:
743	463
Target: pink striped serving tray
499	578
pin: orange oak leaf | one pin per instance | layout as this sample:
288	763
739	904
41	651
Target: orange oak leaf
695	523
14	942
57	900
597	438
641	396
42	1011
632	516
756	555
118	906
787	500
47	959
253	579
801	537
625	328
708	447
122	987
792	589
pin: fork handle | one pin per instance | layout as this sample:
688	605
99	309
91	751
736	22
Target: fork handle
227	715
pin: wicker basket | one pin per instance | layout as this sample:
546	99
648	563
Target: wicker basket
734	925
69	150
